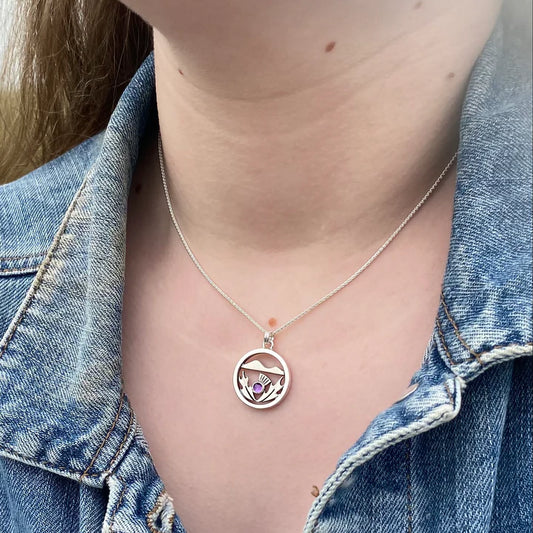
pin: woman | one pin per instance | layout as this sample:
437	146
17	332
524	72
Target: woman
296	140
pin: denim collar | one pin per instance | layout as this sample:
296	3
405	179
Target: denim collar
62	405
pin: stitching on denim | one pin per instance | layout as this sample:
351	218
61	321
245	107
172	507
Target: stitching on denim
123	441
351	463
119	503
24	270
507	346
450	397
441	335
511	346
154	511
44	463
106	437
457	332
409	495
477	355
44	267
506	353
29	256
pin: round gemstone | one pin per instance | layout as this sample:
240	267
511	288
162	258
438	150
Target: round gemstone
257	387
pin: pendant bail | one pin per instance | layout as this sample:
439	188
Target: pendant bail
268	340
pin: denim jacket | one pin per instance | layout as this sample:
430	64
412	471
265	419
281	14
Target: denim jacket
454	455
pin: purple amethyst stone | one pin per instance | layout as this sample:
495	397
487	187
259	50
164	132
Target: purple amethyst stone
257	387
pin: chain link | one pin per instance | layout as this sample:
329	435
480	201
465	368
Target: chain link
270	334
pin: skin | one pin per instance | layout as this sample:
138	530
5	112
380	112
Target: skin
297	136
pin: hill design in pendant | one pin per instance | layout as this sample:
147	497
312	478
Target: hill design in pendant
260	367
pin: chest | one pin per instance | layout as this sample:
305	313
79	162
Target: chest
232	468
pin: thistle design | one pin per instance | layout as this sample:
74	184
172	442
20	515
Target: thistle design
263	385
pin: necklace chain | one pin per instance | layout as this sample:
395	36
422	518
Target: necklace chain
269	335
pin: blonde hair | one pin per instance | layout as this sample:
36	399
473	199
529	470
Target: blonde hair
67	64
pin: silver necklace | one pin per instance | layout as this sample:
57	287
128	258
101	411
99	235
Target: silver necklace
261	377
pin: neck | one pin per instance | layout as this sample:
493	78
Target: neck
287	125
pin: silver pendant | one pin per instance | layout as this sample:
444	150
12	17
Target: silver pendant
261	378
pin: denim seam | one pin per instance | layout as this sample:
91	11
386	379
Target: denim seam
25	270
457	332
119	503
109	432
43	267
448	392
505	350
84	474
126	435
503	353
477	355
512	348
352	462
441	335
158	505
29	256
43	463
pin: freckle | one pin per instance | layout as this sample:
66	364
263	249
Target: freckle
451	75
180	71
330	46
315	491
418	5
138	188
272	322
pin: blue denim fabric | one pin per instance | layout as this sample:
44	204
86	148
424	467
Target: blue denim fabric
453	456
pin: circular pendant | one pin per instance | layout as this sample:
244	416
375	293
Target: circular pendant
261	378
